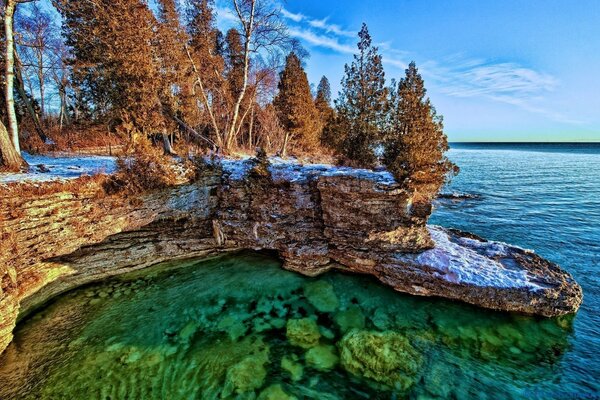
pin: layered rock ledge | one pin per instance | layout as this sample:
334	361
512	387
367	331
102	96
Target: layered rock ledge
317	218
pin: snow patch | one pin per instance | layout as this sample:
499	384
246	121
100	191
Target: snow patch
468	261
292	170
48	168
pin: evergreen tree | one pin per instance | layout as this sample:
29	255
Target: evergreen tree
114	62
323	104
323	98
362	104
416	143
295	107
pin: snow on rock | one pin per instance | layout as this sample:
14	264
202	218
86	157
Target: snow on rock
48	168
291	170
468	261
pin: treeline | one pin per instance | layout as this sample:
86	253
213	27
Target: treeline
169	76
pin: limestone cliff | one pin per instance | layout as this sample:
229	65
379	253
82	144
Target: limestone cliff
316	217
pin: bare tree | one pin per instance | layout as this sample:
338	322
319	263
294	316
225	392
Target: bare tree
11	158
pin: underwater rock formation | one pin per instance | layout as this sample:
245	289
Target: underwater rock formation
386	357
316	217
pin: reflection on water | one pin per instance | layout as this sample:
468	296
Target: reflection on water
241	327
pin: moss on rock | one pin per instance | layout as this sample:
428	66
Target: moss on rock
303	332
322	357
245	376
385	357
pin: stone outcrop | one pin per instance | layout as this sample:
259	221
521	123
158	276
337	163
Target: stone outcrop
316	217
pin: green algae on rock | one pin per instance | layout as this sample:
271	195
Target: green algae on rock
245	376
322	357
303	332
385	357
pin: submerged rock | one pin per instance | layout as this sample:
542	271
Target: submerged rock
290	364
322	296
385	357
245	376
275	392
322	357
303	332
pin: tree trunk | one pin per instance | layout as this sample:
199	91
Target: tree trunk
167	144
9	73
251	127
286	139
9	158
249	28
23	94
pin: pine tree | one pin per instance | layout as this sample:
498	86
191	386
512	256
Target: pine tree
416	143
362	104
323	104
114	62
323	100
295	107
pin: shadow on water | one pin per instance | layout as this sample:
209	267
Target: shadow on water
239	326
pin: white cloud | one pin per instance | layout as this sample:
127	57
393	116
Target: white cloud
290	15
325	41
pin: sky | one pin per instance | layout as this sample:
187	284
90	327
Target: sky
505	70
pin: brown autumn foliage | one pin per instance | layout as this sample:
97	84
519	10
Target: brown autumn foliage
164	82
296	109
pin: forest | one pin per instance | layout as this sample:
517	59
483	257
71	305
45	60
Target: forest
158	81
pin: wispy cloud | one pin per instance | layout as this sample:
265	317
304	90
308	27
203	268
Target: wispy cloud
320	40
290	15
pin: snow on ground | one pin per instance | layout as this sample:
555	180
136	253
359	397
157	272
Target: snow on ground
47	168
292	170
468	261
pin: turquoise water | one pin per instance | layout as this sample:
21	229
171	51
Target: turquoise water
544	197
240	327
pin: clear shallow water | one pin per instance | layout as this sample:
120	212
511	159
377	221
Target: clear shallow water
241	327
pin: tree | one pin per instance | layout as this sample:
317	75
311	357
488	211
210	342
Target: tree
295	107
114	62
323	104
262	29
170	44
323	98
10	154
416	143
362	104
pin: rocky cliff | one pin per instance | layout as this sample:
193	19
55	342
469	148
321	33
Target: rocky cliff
316	217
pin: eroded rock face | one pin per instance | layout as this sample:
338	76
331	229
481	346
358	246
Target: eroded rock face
316	217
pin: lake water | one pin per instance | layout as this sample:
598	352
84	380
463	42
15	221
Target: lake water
241	327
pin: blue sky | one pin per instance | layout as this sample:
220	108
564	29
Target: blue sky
497	70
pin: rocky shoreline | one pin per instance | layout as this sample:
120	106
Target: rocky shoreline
317	218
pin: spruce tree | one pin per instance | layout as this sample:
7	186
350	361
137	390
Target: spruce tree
295	107
362	104
416	143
